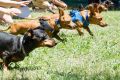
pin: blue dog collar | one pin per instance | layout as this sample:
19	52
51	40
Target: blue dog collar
76	16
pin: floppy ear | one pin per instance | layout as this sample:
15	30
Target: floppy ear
61	11
29	33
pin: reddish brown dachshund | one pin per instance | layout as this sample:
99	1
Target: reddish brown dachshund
81	19
101	7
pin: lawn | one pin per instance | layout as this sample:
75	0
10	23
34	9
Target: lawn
79	58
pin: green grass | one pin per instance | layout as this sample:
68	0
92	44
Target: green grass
79	58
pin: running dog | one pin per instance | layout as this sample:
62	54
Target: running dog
100	7
15	48
76	20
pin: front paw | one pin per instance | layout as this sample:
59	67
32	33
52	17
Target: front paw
91	34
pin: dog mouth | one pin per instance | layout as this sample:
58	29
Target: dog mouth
102	24
48	43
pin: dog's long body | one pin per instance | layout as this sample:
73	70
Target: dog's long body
15	48
22	27
82	19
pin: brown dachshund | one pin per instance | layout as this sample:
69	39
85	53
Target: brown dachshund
101	7
81	20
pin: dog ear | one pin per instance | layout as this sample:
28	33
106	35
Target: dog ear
95	5
29	33
81	7
61	11
91	9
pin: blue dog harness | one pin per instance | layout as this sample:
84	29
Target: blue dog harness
76	16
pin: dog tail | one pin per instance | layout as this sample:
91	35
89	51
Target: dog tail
6	29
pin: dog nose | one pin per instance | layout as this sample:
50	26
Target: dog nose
100	18
104	25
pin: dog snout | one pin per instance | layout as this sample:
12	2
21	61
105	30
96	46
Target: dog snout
103	24
105	9
100	19
49	43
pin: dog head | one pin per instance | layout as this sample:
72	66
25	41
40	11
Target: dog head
108	3
96	18
97	7
65	20
40	37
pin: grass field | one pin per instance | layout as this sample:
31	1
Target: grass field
79	58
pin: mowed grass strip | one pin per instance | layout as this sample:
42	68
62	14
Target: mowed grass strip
79	58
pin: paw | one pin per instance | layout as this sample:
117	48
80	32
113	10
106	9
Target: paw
91	34
81	33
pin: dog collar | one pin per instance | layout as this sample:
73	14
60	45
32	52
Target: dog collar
22	47
57	22
46	26
76	16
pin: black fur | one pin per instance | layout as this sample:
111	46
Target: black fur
10	45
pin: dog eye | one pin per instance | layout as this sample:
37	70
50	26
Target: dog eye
100	18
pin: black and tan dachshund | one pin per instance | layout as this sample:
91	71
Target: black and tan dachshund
15	48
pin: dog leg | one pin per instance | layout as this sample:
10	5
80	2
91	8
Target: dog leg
89	31
5	64
80	32
55	34
58	38
5	60
79	26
